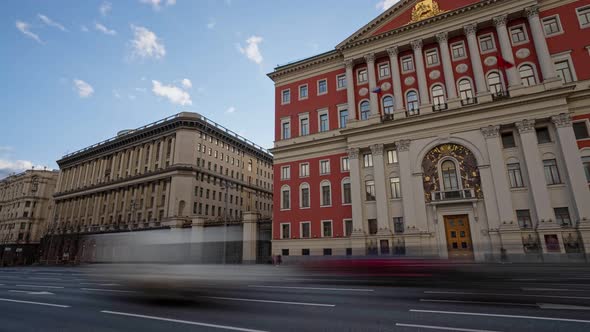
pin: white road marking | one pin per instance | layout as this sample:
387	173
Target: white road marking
554	289
226	327
478	302
270	301
561	306
31	292
98	284
39	303
108	290
41	286
506	294
316	288
500	315
432	327
43	278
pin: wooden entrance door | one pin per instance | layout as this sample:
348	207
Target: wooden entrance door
458	233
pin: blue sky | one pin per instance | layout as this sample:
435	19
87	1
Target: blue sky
73	73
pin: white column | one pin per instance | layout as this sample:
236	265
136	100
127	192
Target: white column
547	66
396	80
506	48
373	97
445	56
421	73
380	189
405	174
534	166
356	191
576	178
480	80
499	175
351	103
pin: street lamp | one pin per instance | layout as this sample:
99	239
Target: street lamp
225	185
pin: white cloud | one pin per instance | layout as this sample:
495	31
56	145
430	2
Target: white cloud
385	4
105	8
187	84
251	50
116	94
7	167
84	89
5	149
230	110
146	44
104	29
84	28
142	90
25	29
157	4
51	23
132	97
174	94
211	24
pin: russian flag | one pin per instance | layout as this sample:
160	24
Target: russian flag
377	90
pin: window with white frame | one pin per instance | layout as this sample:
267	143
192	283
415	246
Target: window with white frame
495	83
527	75
346	191
304	125
286	96
324	167
347	227
586	164
362	76
395	188
285	231
326	228
365	110
304	201
344	164
584	16
326	193
392	156
303	91
407	64
524	218
342	117
341	82
368	160
552	25
518	35
305	231
412	102
285	172
551	171
562	216
286	129
438	96
458	51
323	121
449	175
581	130
369	190
514	175
564	70
486	43
432	57
285	198
465	90
388	104
303	170
384	70
322	87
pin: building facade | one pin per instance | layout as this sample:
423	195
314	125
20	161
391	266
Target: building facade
445	128
25	206
164	174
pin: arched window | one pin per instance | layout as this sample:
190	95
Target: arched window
365	110
304	201
495	83
326	193
438	97
466	91
449	176
285	198
412	103
387	105
346	191
527	75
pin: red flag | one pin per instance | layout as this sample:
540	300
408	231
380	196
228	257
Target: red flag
503	64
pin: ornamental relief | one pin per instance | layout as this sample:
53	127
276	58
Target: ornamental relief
468	171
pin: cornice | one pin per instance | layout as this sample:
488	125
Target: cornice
305	64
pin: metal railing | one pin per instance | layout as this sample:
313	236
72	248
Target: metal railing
499	95
437	196
439	107
469	101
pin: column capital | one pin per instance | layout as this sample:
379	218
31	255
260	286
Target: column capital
525	126
370	57
470	29
416	44
562	120
490	131
403	145
377	149
349	63
393	51
532	11
442	37
500	20
353	153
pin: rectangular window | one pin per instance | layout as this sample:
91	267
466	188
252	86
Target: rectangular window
395	187
285	252
346	195
362	76
508	140
341	82
564	71
324	126
305	197
304	126
551	25
285	231
581	130
524	218
432	57
303	92
326	228
368	160
384	70
303	170
486	43
344	164
543	135
407	64
458	51
305	252
326	195
286	199
392	156
518	35
327	251
586	164
286	130
347	227
373	226
551	171
343	118
286	96
370	190
305	230
562	216
285	172
398	225
322	87
584	16
324	167
515	176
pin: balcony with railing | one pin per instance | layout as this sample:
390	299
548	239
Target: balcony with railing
453	195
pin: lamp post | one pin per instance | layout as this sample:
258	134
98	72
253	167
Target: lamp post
225	185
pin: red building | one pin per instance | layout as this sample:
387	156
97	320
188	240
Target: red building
453	128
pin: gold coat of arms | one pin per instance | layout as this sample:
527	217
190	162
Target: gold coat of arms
425	9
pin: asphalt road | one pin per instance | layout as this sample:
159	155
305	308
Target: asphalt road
65	299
